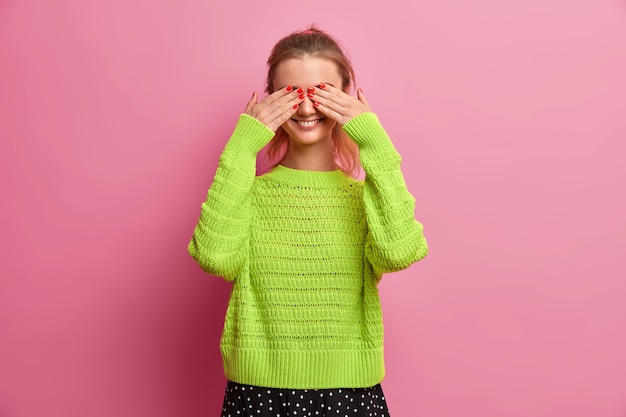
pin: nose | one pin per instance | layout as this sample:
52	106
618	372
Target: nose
306	107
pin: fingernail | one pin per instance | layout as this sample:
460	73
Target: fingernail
322	86
300	90
289	88
295	106
301	96
311	89
316	104
310	95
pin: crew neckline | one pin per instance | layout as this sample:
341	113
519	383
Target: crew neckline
302	177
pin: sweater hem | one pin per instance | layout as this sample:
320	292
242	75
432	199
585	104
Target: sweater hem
304	369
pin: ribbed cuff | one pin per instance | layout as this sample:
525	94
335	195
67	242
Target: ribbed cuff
374	143
249	137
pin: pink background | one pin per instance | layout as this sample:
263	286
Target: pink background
510	116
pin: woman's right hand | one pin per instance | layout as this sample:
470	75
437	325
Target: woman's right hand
277	108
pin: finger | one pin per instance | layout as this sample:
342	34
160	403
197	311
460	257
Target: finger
362	99
280	100
275	105
283	93
281	118
334	95
361	96
328	90
329	112
284	103
279	114
252	102
329	99
337	105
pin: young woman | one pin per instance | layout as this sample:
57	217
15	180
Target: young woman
306	244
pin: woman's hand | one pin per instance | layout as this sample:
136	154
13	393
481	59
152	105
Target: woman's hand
336	104
276	108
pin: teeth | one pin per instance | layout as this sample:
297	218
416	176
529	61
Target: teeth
308	123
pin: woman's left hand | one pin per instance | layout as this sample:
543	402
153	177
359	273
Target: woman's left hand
336	104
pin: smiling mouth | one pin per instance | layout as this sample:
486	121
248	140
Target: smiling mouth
307	123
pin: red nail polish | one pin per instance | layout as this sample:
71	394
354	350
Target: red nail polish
316	104
300	90
311	89
301	96
322	86
310	95
295	106
289	88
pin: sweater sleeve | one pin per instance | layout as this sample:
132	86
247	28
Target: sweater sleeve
220	239
395	238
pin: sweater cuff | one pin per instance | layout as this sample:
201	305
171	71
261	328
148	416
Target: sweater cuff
249	137
374	143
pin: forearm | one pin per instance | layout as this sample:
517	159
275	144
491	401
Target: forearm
395	237
220	236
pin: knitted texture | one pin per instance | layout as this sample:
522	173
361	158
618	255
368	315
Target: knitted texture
305	251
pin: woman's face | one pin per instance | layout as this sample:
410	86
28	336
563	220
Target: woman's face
307	126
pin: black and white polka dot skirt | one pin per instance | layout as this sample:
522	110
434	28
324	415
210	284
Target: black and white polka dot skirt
248	400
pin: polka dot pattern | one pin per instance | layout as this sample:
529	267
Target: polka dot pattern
247	400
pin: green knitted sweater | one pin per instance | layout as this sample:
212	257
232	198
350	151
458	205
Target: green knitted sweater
305	251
